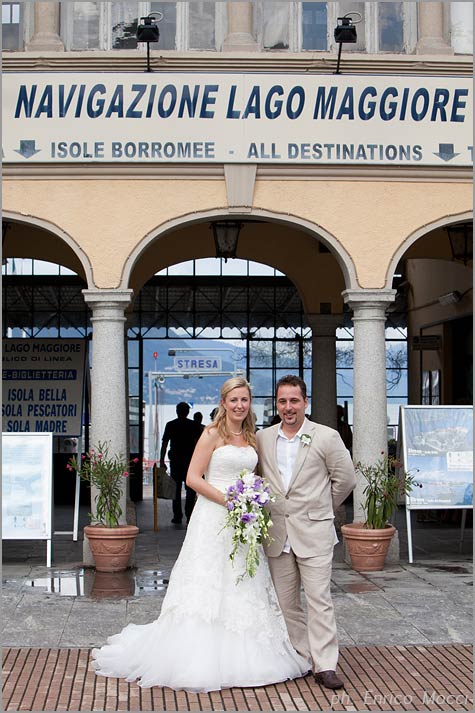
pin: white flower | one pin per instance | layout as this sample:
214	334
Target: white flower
306	439
248	478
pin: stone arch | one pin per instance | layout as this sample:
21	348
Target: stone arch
343	258
419	233
79	256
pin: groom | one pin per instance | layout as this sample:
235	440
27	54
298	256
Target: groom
310	473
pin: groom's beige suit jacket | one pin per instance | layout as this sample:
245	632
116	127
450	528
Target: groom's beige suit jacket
323	476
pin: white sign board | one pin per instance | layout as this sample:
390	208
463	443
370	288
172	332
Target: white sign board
27	475
244	118
43	384
201	364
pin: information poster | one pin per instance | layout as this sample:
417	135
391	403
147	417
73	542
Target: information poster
43	385
438	451
27	474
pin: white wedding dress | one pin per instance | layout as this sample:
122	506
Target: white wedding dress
212	633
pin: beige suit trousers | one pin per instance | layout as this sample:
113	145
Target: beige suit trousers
315	639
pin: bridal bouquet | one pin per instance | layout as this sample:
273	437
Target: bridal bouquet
247	516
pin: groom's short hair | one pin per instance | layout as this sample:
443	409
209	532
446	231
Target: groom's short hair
292	380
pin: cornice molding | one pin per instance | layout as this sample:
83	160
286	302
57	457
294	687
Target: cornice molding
301	62
213	172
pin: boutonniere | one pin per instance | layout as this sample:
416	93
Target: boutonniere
306	439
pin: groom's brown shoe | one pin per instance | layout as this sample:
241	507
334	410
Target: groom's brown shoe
328	679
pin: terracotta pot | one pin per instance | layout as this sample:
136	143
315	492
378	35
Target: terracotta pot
111	546
367	548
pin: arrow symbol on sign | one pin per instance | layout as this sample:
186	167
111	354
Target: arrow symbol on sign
446	152
27	148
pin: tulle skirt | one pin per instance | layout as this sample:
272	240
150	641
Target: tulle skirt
212	632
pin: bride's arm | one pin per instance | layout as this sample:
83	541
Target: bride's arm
199	464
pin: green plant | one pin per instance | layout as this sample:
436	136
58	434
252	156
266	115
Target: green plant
106	473
386	481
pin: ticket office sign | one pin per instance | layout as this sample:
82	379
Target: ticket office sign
43	386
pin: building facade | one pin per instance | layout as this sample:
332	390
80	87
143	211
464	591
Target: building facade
350	185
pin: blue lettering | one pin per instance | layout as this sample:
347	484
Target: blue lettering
405	96
273	114
441	97
253	103
24	101
116	105
365	115
347	105
151	99
420	94
91	111
82	90
64	105
139	89
170	90
324	106
458	104
207	99
188	102
46	103
298	92
391	106
231	112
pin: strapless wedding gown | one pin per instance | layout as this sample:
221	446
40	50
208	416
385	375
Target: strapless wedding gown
212	633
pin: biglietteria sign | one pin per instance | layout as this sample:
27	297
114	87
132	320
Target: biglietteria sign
243	118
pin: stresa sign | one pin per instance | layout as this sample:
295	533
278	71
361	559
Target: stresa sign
237	118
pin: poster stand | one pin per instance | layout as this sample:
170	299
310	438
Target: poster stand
437	447
27	488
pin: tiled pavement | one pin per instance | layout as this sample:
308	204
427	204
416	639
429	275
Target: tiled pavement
377	678
405	633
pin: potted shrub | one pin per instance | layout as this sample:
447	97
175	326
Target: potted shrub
368	542
111	543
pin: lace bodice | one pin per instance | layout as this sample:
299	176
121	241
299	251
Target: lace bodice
227	462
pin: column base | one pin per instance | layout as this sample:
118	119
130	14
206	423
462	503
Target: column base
433	45
239	42
45	42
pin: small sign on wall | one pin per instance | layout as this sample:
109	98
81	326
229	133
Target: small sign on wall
43	386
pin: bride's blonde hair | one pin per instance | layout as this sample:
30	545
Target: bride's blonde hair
219	421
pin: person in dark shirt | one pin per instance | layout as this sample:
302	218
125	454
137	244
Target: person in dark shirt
182	434
198	419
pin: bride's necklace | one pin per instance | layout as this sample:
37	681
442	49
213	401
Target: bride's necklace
236	434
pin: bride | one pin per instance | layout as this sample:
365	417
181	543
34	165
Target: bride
212	632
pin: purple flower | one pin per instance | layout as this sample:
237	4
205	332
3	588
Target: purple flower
248	517
230	505
239	486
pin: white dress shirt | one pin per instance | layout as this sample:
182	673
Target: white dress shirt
286	454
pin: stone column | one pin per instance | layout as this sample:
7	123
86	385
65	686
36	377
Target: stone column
239	37
461	27
431	29
370	437
46	36
324	367
108	378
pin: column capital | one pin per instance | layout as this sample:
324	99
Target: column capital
324	325
373	303
119	298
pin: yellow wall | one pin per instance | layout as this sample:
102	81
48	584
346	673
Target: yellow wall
370	219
